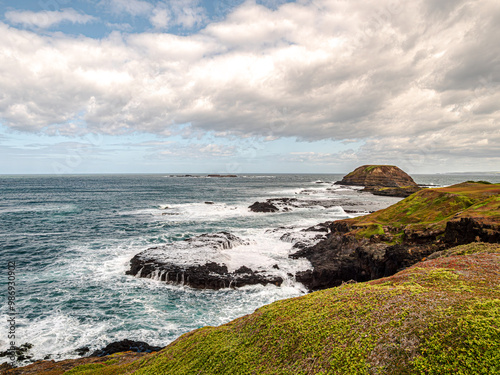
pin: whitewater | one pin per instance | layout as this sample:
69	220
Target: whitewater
72	239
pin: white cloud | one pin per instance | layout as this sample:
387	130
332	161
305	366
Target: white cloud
184	13
160	18
162	15
190	151
188	13
46	19
408	80
132	7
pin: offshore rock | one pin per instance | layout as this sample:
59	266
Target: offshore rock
387	180
378	175
289	204
263	207
207	276
402	192
198	263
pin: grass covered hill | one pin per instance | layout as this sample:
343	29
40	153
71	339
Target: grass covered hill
440	316
430	210
386	241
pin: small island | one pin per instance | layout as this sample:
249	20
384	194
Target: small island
387	180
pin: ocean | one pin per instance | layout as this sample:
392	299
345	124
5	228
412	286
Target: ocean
72	237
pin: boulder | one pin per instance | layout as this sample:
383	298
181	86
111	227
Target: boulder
263	207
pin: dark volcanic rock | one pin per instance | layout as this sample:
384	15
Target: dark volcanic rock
342	257
263	207
82	351
467	229
288	204
126	346
402	192
305	237
168	264
20	353
207	276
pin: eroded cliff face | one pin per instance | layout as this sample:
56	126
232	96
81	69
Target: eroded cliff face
378	176
382	243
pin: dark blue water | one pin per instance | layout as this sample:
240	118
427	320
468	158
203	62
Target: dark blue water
72	237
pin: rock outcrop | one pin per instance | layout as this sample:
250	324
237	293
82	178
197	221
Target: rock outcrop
382	243
198	263
386	180
263	207
125	346
210	275
343	257
290	204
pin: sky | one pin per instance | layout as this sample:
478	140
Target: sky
234	86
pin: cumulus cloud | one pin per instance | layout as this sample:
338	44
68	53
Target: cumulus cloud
160	18
402	78
46	19
187	13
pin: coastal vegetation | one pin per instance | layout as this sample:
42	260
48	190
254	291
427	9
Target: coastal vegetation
438	315
386	241
431	209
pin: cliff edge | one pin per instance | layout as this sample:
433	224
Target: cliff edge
386	241
440	316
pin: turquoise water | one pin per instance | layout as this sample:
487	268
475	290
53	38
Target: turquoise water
72	238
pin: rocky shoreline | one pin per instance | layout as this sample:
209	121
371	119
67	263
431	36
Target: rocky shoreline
359	249
383	243
440	313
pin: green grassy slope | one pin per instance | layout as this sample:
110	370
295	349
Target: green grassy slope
441	316
432	208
